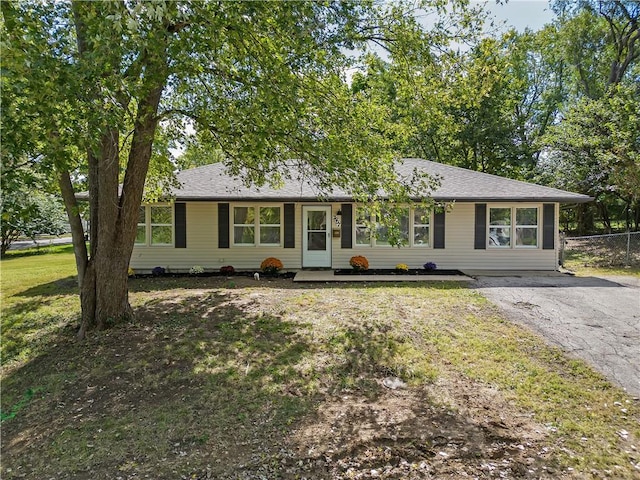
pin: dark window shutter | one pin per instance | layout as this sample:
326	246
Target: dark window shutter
480	237
548	226
180	221
289	225
438	230
346	235
223	225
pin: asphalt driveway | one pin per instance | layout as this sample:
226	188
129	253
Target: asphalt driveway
595	319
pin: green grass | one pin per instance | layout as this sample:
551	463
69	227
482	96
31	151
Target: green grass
38	299
218	380
589	263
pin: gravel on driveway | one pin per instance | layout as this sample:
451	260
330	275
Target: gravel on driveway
594	318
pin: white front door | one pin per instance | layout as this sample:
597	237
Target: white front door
316	236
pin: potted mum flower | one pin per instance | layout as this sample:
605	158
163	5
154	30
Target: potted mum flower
158	271
430	266
359	263
227	270
271	266
402	268
196	270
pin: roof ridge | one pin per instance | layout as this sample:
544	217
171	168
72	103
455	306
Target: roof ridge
467	170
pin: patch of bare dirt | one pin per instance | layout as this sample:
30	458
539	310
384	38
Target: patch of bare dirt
454	429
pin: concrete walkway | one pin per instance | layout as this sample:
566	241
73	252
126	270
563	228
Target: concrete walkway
329	276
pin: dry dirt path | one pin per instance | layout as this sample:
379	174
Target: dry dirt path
594	318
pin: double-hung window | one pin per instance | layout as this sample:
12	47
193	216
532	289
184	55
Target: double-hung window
384	234
269	226
500	227
527	227
257	225
413	228
141	232
363	229
244	226
155	225
507	223
421	227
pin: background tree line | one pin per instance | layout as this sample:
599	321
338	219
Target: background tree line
558	106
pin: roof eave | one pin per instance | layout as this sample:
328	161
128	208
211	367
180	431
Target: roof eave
565	200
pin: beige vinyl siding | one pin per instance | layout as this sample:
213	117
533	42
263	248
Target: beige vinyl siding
202	246
458	252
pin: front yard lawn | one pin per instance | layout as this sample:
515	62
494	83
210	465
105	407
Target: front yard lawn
242	379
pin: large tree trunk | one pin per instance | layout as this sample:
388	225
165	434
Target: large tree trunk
584	218
114	218
104	294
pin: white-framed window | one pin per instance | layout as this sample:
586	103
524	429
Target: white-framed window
270	226
155	225
257	225
421	228
414	228
500	227
161	222
244	225
527	227
513	227
141	232
363	230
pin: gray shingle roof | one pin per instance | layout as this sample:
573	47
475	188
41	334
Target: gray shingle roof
211	182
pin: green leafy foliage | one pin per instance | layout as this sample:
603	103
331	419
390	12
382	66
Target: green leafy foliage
27	212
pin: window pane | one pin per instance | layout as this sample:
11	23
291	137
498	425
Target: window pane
499	236
316	220
384	233
404	227
526	216
363	232
362	216
316	241
161	235
500	216
382	236
141	235
527	237
142	215
243	215
363	236
421	236
243	235
270	215
270	235
161	215
421	217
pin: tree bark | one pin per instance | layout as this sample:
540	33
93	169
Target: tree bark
584	218
77	231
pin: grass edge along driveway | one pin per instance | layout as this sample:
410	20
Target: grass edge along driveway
236	379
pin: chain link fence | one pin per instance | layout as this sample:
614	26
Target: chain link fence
613	250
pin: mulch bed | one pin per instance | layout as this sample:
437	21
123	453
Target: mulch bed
215	274
391	271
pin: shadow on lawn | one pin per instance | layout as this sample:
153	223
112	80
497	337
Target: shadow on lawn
190	381
208	385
